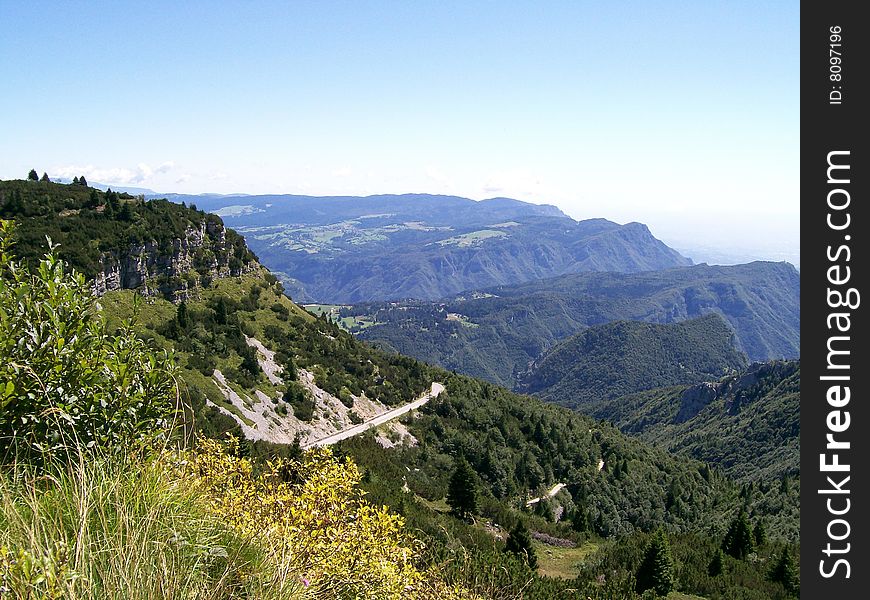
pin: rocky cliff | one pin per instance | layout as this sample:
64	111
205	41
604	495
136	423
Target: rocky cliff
198	256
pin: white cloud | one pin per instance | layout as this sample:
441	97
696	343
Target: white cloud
139	175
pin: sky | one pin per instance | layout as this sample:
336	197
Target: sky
681	115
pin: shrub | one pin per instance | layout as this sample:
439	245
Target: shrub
65	383
319	526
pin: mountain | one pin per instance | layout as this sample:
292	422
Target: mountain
748	424
355	249
607	361
253	363
496	333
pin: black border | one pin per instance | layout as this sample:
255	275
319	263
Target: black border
827	127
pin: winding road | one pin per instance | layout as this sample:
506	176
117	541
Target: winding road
380	419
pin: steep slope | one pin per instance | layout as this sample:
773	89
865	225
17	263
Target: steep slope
748	424
606	361
346	249
496	333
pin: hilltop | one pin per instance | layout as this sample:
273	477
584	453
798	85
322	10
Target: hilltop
601	363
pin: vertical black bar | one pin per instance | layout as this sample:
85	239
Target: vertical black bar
835	166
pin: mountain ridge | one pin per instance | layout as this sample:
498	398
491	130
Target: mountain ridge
343	249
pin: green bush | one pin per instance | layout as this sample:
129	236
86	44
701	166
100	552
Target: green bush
65	384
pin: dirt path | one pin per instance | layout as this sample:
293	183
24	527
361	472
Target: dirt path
382	418
553	491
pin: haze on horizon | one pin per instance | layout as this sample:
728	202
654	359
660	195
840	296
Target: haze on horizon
684	116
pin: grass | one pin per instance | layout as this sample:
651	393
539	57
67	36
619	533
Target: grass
555	561
471	239
120	529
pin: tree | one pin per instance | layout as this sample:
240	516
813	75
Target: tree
221	312
759	534
75	181
462	490
580	520
181	315
45	177
717	565
83	181
656	571
126	214
739	541
519	542
786	573
32	176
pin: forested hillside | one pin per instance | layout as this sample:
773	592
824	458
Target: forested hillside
120	241
747	424
589	369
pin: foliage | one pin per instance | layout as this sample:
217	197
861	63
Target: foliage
95	228
122	528
311	516
64	383
786	573
747	424
656	572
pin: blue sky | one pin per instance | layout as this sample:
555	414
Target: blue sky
682	115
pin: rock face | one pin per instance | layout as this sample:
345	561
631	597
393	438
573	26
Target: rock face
736	389
201	254
695	398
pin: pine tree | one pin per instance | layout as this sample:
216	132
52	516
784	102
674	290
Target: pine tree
759	534
126	214
83	181
33	176
462	490
580	520
45	177
181	316
221	312
519	542
75	181
656	572
786	573
739	541
717	565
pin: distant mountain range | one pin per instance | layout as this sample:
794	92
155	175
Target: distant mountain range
358	249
